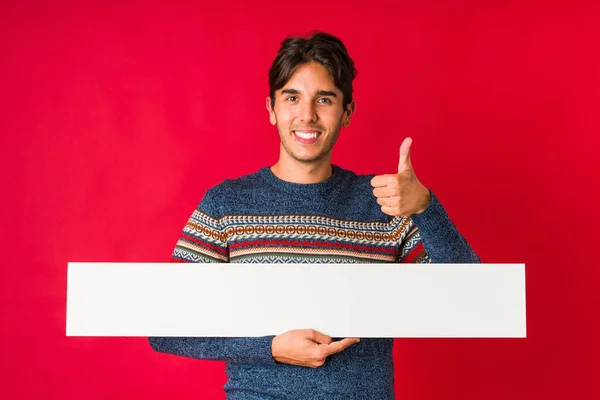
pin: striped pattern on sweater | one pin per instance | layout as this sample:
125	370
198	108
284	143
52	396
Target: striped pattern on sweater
297	239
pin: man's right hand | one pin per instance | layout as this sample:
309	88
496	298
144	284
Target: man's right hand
306	347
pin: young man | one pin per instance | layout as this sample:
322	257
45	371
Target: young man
303	209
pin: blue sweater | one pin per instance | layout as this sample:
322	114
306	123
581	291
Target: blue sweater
260	218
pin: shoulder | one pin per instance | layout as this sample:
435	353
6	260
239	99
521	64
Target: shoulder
218	200
236	185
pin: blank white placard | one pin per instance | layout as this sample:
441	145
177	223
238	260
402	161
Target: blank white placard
340	300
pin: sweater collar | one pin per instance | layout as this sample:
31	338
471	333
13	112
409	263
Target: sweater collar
302	189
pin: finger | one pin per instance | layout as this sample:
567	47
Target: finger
386	191
336	347
319	337
388	201
404	164
381	180
393	211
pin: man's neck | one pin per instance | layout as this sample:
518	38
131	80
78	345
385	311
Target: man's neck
299	172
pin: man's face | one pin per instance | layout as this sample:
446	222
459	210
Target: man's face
308	113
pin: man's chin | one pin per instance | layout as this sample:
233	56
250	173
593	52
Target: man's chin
304	156
308	159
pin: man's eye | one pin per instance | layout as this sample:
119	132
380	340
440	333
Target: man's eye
291	98
325	100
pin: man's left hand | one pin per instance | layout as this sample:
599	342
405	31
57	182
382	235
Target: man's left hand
401	194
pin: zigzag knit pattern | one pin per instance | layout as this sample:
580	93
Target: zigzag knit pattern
297	239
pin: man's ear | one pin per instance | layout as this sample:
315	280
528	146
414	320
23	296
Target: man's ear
348	112
272	116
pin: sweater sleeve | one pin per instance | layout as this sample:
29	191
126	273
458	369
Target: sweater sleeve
440	238
205	240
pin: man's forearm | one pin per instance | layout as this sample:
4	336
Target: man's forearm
246	349
441	239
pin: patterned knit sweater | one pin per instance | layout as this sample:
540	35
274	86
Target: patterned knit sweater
260	218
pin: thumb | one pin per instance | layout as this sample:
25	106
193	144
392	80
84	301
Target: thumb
404	164
337	346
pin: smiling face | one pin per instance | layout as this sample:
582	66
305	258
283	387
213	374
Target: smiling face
309	114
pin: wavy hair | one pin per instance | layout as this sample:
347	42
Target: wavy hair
320	47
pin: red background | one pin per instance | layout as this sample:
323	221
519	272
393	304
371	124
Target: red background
116	119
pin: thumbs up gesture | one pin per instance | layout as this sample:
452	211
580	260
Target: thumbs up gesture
401	194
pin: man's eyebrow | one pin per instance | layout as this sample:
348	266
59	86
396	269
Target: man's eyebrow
326	93
319	93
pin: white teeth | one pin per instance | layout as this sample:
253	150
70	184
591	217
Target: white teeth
306	135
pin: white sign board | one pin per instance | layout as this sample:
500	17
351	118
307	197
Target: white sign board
340	300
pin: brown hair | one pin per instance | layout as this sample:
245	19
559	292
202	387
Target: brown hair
320	47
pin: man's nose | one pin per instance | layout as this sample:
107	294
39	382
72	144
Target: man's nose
308	112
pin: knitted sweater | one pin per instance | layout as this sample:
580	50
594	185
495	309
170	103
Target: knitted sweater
261	218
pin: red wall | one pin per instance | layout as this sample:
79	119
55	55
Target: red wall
116	119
